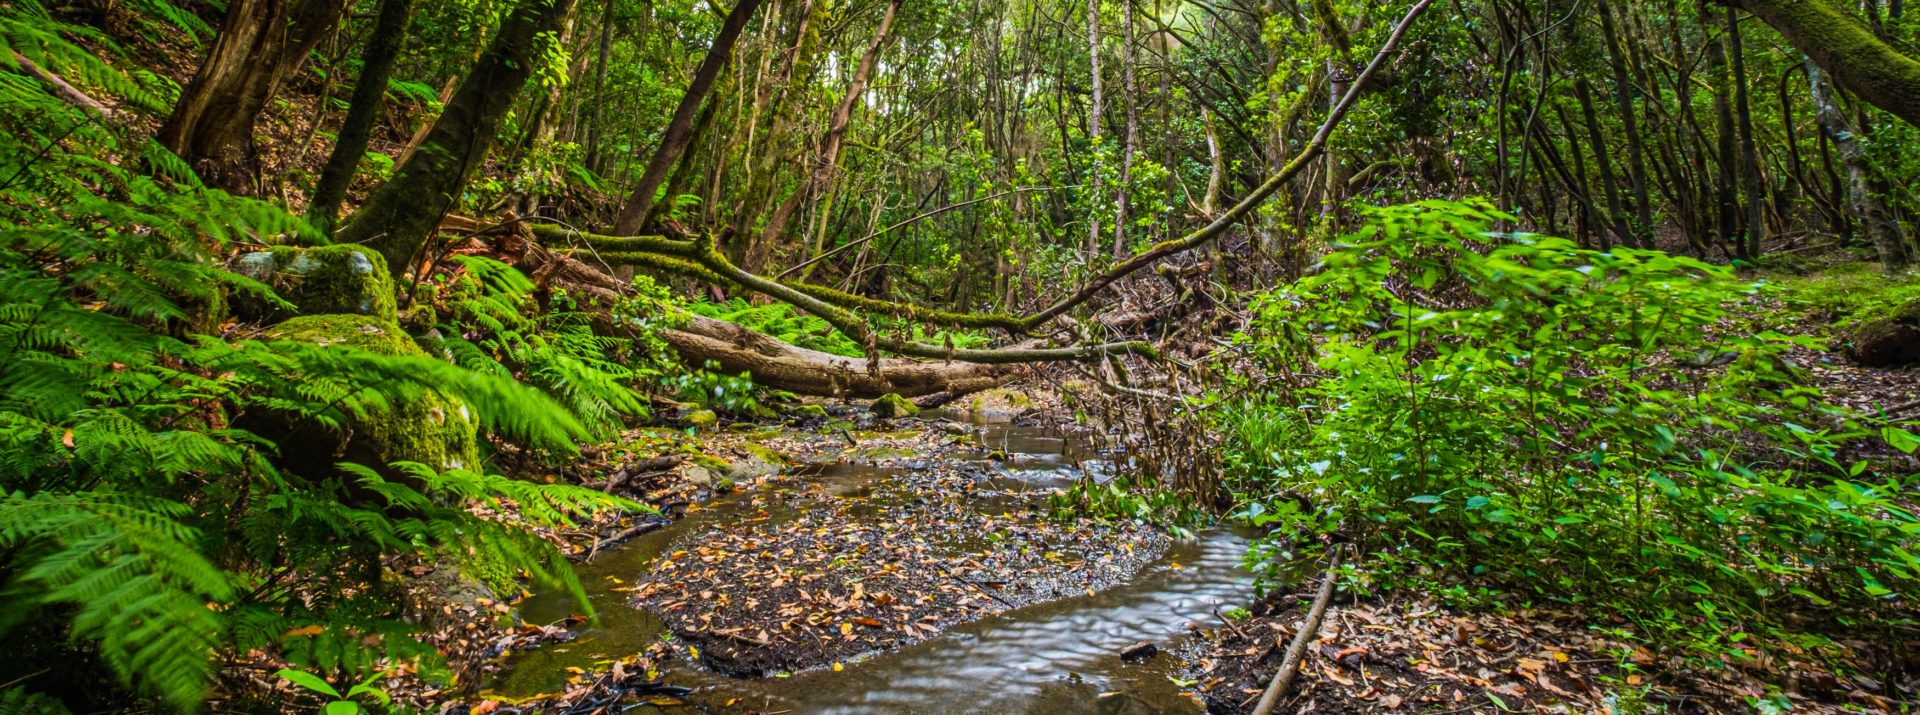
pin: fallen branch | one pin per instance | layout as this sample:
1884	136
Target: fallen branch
625	534
61	87
1298	648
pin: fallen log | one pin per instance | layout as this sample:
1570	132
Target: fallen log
772	362
785	366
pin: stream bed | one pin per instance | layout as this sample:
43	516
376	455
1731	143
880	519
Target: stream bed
1054	655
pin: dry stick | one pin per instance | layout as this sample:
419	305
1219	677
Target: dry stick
1298	648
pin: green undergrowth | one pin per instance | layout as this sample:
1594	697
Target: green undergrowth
1845	295
1509	417
172	495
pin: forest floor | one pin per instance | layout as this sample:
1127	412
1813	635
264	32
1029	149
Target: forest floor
848	536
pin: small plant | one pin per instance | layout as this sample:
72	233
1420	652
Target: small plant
340	704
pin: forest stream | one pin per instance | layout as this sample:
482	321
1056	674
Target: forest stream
1052	656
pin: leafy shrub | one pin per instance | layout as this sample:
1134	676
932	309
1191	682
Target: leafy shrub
1561	422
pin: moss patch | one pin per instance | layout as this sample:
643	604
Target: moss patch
892	405
319	280
429	428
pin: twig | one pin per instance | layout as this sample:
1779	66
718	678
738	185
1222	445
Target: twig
1298	648
1230	624
990	594
622	536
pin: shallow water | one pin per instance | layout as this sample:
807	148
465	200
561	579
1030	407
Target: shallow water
1054	657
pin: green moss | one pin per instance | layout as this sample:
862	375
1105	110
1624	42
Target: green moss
430	428
1849	295
767	455
892	405
703	419
809	412
320	280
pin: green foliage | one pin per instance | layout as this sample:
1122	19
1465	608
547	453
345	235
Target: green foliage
781	321
1562	422
168	496
497	325
1848	294
338	704
720	392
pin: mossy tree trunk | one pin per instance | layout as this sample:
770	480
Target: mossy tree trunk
1865	204
680	130
369	96
401	215
261	43
1858	61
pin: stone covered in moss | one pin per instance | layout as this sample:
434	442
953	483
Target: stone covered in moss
892	405
1892	340
319	280
999	404
703	419
431	428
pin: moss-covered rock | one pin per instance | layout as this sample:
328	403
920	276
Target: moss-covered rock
703	419
318	280
892	405
999	404
431	429
808	412
1892	340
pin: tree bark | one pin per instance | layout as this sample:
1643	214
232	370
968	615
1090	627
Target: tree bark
680	130
1615	218
1858	61
261	43
1749	155
401	215
1093	127
369	96
1133	130
1872	214
828	161
1623	98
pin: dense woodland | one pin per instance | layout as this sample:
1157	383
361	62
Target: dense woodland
1593	308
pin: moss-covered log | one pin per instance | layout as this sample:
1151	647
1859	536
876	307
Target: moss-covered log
1858	60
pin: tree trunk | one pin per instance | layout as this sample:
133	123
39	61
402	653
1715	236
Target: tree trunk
1749	155
1865	204
1636	162
261	43
827	163
1133	130
595	162
680	130
369	96
401	215
1093	128
1858	61
1595	139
